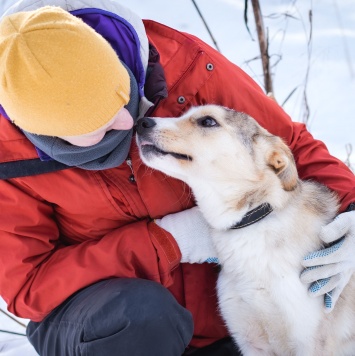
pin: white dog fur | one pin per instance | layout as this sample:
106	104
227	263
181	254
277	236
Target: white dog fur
233	165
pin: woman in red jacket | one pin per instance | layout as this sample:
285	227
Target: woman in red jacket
104	255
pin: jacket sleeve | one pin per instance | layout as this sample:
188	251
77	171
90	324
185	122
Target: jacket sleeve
231	87
38	272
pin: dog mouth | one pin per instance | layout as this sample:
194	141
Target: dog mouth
149	148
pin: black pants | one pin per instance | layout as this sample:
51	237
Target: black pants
123	317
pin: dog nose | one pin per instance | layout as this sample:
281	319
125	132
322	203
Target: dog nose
144	124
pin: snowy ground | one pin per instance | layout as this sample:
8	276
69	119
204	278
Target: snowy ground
331	80
11	344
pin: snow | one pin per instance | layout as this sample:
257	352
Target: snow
13	345
331	81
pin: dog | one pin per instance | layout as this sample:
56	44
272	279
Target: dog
264	220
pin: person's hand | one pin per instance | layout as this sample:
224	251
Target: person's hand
192	234
330	269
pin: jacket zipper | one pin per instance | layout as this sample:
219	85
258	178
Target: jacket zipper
131	178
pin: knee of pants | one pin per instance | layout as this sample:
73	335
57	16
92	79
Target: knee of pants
137	305
130	315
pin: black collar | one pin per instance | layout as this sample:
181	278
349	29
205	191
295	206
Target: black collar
254	215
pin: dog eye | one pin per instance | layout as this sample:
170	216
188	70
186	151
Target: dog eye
207	121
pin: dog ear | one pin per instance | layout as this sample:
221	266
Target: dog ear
281	160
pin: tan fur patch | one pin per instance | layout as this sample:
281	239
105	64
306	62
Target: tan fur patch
282	162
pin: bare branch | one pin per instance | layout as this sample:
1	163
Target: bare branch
289	96
276	15
206	25
264	46
246	19
306	113
11	317
349	151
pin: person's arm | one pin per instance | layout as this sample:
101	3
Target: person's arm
38	272
231	87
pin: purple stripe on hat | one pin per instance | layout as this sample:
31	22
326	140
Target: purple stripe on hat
43	156
3	113
120	34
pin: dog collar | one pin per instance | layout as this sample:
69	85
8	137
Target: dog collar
253	216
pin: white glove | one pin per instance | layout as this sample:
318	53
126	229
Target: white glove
192	235
329	270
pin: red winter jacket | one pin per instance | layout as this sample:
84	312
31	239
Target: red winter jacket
65	230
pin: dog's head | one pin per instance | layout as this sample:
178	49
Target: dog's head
220	148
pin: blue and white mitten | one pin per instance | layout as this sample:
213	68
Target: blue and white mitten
330	269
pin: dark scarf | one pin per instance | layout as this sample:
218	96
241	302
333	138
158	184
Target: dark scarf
110	152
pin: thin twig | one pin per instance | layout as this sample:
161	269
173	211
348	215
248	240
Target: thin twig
263	45
306	113
255	76
349	151
276	15
206	25
11	332
14	319
246	19
289	95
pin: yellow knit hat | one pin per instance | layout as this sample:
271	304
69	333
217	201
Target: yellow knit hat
58	77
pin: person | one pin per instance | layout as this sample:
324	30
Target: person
102	254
